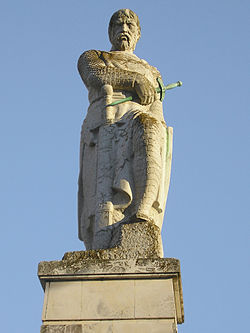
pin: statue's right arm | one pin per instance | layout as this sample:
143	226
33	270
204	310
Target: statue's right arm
96	72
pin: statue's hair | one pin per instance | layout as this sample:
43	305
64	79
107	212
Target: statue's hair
124	13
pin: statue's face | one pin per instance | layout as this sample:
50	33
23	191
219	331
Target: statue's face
124	34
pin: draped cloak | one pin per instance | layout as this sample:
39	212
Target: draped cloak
125	154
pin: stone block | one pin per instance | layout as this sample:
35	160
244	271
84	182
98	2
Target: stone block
132	241
78	288
110	299
62	301
113	299
111	296
144	326
115	326
154	298
62	329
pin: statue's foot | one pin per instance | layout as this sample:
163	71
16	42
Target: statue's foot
143	216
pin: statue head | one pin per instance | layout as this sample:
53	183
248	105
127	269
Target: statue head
124	30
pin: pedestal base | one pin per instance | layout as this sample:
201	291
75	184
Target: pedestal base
112	296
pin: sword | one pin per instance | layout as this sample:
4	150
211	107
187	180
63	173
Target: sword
160	90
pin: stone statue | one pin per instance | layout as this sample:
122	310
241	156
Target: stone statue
125	149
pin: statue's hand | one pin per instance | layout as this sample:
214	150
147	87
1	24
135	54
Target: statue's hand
145	90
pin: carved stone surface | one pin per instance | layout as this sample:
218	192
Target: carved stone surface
62	329
81	262
115	326
126	149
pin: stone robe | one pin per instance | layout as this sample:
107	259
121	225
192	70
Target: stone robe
125	150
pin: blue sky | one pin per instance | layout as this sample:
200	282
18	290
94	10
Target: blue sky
43	102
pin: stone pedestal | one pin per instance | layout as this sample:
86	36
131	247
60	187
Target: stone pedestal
111	296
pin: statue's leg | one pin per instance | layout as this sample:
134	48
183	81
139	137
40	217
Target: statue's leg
148	139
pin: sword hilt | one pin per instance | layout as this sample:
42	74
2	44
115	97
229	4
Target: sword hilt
160	90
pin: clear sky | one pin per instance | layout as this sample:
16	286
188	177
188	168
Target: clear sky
43	102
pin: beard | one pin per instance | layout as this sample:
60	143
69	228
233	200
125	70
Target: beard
124	45
123	42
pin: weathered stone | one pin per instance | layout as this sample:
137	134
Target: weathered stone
125	149
115	326
73	329
121	283
81	262
109	298
53	329
137	241
77	264
72	274
133	240
61	329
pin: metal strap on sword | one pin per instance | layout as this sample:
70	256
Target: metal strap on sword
160	90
